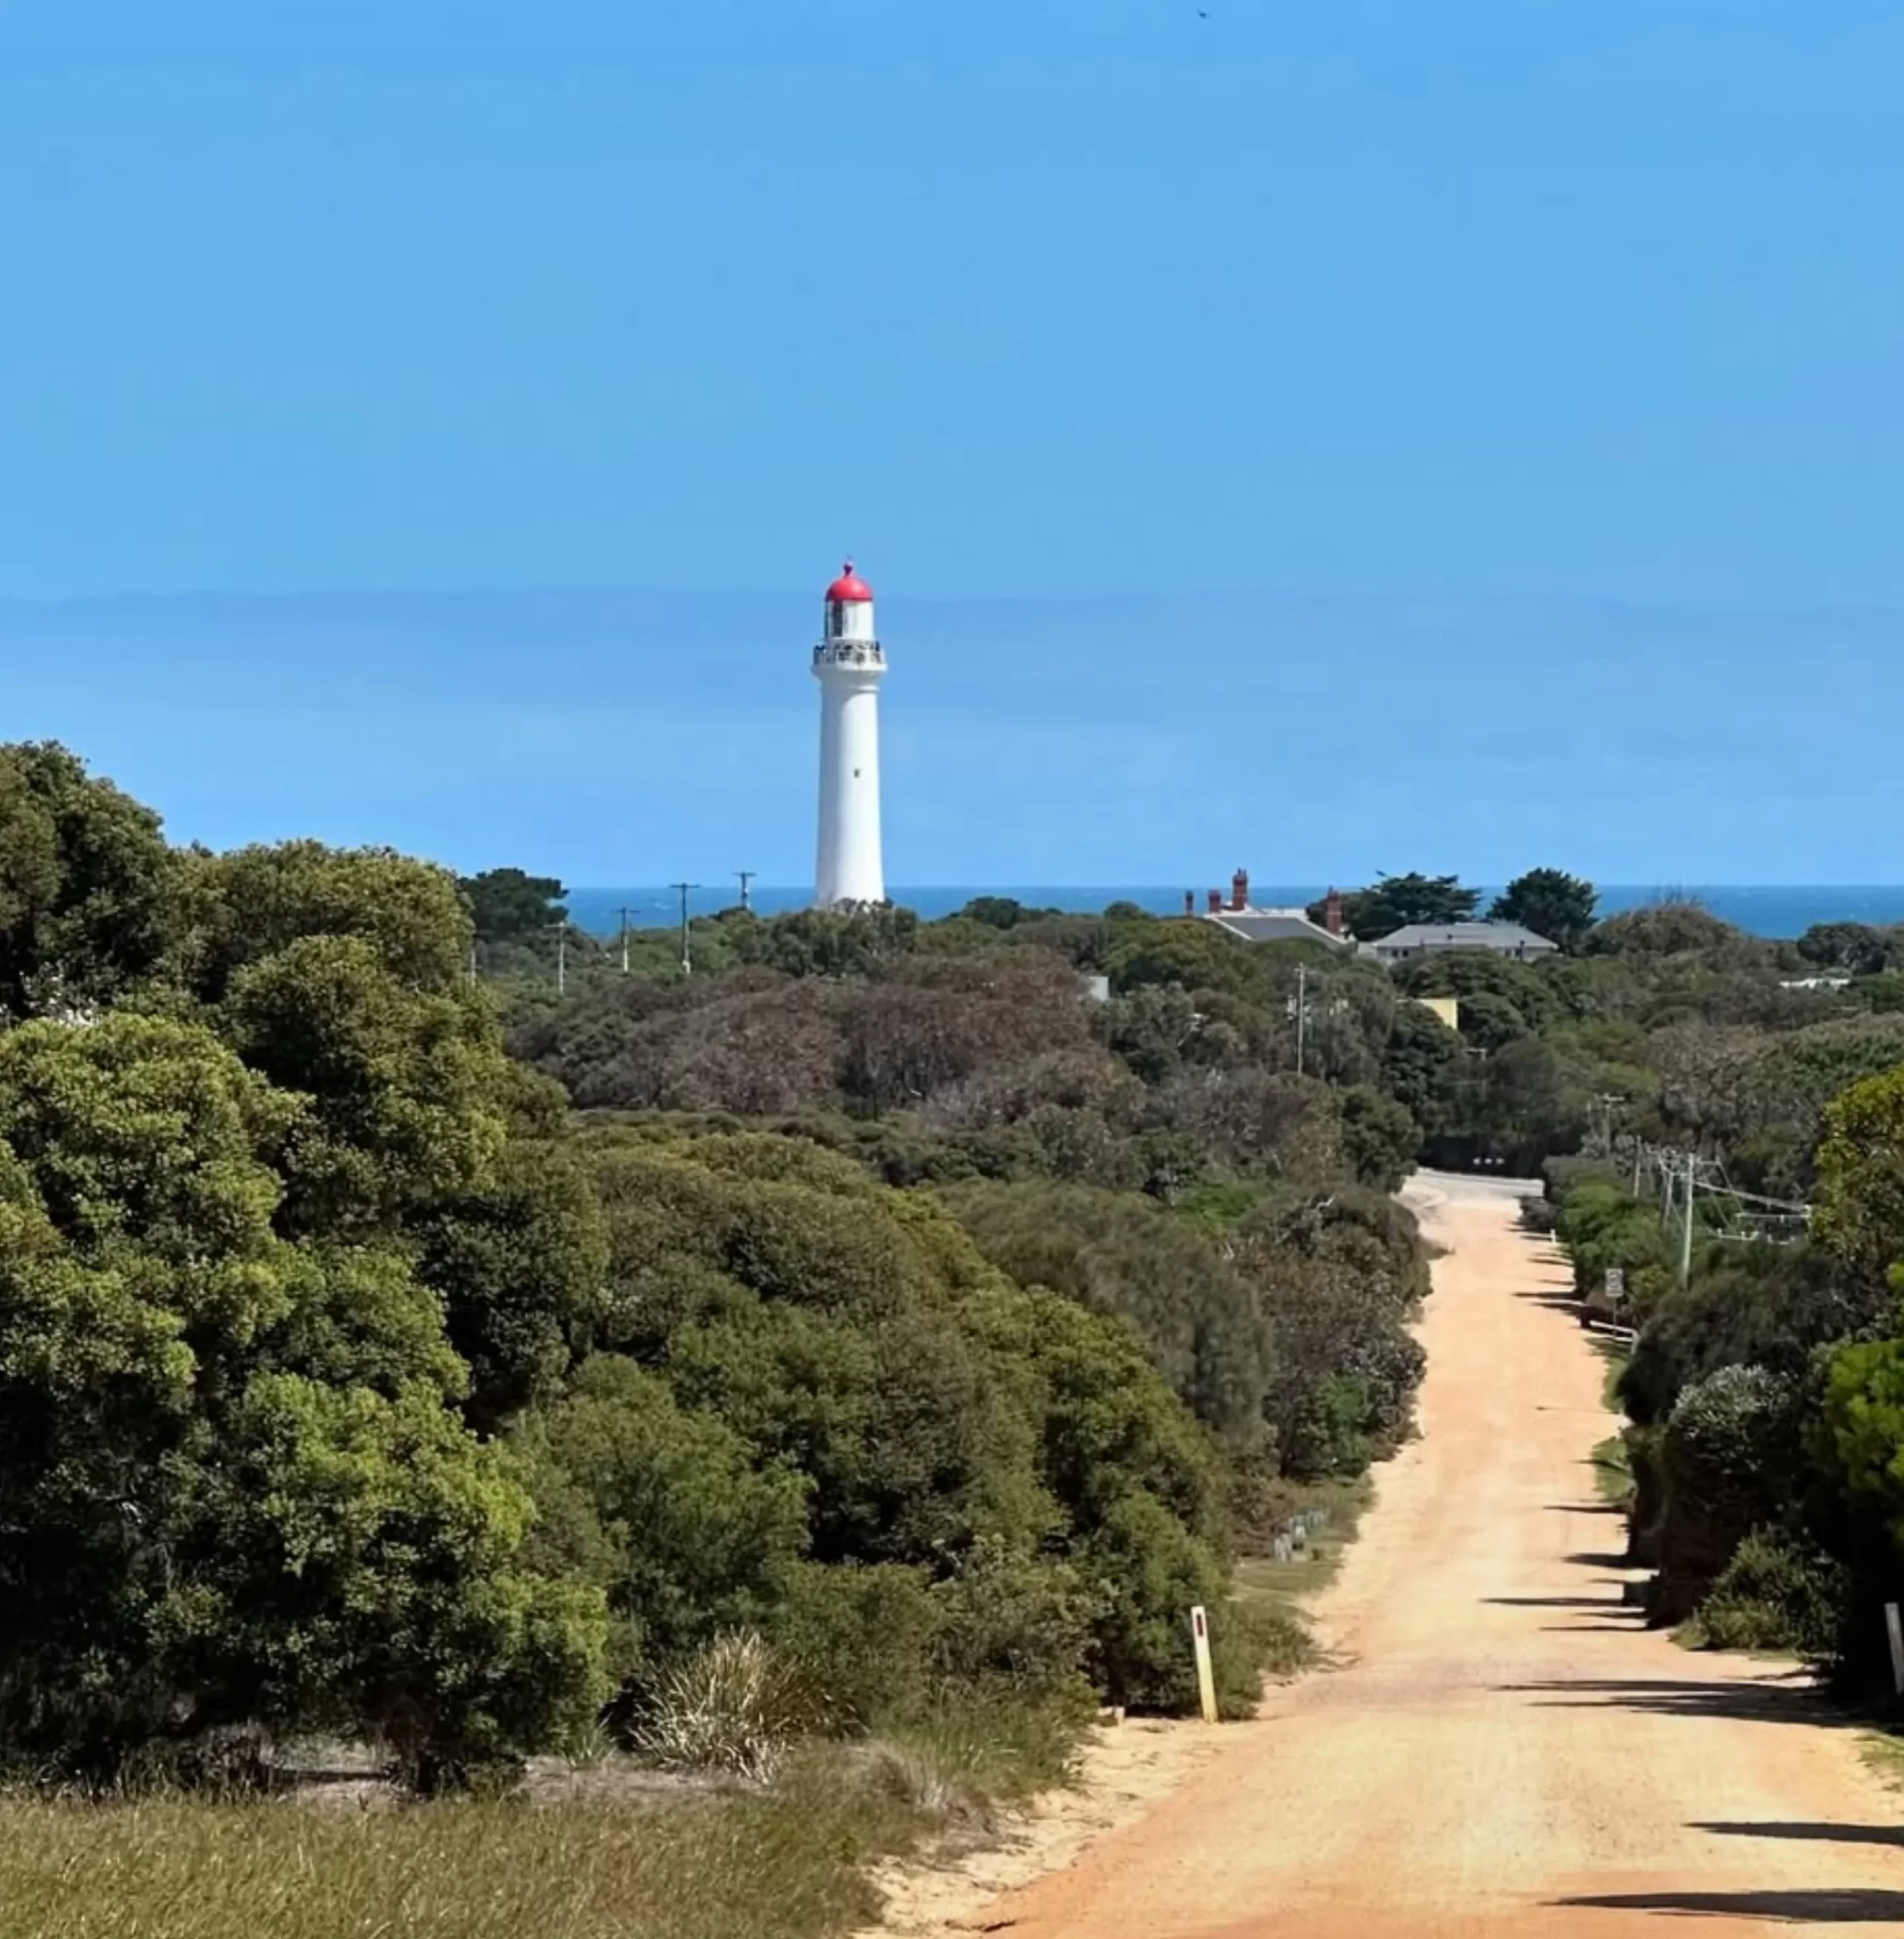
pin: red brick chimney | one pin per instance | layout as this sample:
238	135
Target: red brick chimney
1240	889
1332	913
1216	902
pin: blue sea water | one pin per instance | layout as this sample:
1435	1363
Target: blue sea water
1773	911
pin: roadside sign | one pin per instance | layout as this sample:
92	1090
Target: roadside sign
1206	1677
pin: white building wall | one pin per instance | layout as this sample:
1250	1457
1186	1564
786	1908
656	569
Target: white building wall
849	867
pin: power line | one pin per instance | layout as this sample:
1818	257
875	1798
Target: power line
1685	1175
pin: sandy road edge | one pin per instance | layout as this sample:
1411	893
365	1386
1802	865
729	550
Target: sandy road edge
1122	1771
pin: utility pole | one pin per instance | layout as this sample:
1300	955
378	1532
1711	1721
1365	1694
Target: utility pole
624	939
684	890
473	959
1686	1231
747	877
1302	1014
561	957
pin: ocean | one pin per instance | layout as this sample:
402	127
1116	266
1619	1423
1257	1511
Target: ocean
1774	911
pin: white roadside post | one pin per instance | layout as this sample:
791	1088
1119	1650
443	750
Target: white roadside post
1897	1646
1206	1677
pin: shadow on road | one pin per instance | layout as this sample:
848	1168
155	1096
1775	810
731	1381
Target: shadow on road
1853	1907
1787	1699
1604	1603
1555	1301
1836	1835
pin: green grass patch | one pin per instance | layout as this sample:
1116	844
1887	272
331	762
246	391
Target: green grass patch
1277	1591
1612	1461
790	1862
1615	1357
1613	1471
1883	1755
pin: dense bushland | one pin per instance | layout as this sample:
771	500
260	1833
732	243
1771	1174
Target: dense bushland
897	1332
1767	1430
1089	1147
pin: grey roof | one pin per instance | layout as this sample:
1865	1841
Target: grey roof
1464	935
1273	925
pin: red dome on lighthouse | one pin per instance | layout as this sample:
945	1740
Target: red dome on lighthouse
849	586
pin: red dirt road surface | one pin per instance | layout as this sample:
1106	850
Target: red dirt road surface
1508	1752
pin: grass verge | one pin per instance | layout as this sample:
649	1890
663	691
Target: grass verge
1883	1755
788	1862
1612	1465
1273	1592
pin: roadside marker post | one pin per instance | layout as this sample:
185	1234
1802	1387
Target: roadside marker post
1897	1646
1206	1677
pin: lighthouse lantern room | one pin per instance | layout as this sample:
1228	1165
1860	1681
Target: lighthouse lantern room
849	663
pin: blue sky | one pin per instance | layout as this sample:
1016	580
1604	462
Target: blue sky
1330	437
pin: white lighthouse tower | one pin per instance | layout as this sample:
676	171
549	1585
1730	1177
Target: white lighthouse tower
849	663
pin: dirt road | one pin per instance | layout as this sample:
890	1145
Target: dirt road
1508	1752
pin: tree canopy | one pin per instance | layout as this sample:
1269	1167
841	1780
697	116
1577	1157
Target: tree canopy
507	904
1550	902
1393	902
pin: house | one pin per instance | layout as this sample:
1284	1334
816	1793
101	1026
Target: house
1239	916
1507	939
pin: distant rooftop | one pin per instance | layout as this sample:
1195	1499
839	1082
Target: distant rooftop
1501	938
1273	926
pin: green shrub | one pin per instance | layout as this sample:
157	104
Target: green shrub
1330	1436
1249	1641
1732	1463
1128	1257
661	1508
1152	1572
1647	1506
1014	1622
1776	1593
865	1638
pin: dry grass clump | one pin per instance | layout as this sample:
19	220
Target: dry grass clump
736	1706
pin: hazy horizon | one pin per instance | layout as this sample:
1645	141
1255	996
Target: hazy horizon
622	736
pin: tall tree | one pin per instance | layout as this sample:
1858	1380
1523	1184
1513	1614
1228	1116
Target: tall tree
255	902
1550	902
1856	947
1393	902
235	1485
508	903
90	894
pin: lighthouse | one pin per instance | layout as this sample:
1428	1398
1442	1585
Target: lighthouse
849	663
